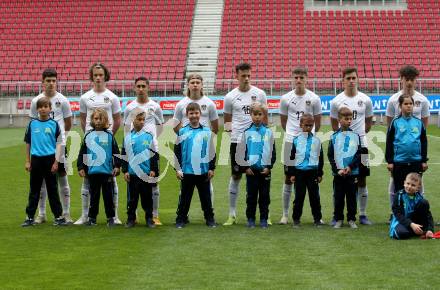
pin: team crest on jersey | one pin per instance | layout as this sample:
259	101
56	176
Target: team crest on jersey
203	107
57	104
415	130
360	103
106	99
47	130
417	103
308	103
254	98
146	143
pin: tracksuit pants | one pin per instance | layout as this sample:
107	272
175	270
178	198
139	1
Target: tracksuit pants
258	190
189	182
306	180
345	188
401	170
97	183
139	188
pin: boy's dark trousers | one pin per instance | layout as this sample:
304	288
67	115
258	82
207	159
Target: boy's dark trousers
138	187
401	170
189	182
257	187
40	170
104	182
345	188
418	216
306	180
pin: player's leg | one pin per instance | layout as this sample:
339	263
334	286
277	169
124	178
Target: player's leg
186	192
350	189
251	199
108	196
116	200
41	218
264	199
156	196
391	195
132	201
339	200
287	187
36	180
234	184
314	198
364	171
422	215
64	192
300	194
94	192
146	195
85	201
204	189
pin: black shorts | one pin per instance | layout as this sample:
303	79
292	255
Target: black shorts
364	167
235	168
62	167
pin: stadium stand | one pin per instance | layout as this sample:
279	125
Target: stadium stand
276	35
131	37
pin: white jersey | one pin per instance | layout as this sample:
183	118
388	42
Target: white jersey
360	105
60	110
209	111
420	110
106	100
294	106
154	115
237	103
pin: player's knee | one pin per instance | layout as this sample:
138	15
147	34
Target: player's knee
236	177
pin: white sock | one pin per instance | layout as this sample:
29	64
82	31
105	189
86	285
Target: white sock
391	191
363	198
115	195
287	192
42	201
211	186
156	194
422	187
85	197
233	195
63	183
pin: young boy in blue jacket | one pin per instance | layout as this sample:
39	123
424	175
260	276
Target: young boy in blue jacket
195	164
259	155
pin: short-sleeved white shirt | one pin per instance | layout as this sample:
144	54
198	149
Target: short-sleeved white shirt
420	110
106	100
209	111
360	105
60	110
294	106
154	115
237	103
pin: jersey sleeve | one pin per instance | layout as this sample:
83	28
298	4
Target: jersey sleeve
67	111
178	115
116	106
317	108
27	135
284	106
228	105
263	98
159	116
33	113
83	105
368	108
390	112
333	109
212	112
425	109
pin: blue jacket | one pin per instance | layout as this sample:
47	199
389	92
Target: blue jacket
306	154
139	156
259	149
42	136
195	150
403	207
344	150
406	141
96	155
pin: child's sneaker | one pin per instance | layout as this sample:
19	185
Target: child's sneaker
130	224
211	223
284	220
338	224
81	221
333	222
90	222
156	221
352	224
28	222
363	220
231	221
117	221
111	222
41	219
180	225
60	221
150	223
264	224
318	223
250	223
296	224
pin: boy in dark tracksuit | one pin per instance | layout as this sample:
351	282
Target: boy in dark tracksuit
411	214
259	157
344	156
195	165
42	146
96	160
406	146
305	170
140	170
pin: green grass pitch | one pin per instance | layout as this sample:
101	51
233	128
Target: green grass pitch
196	257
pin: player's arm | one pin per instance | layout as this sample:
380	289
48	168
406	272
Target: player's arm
334	116
425	121
227	119
368	124
27	164
283	120
67	124
335	124
83	117
116	122
214	126
389	120
317	119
